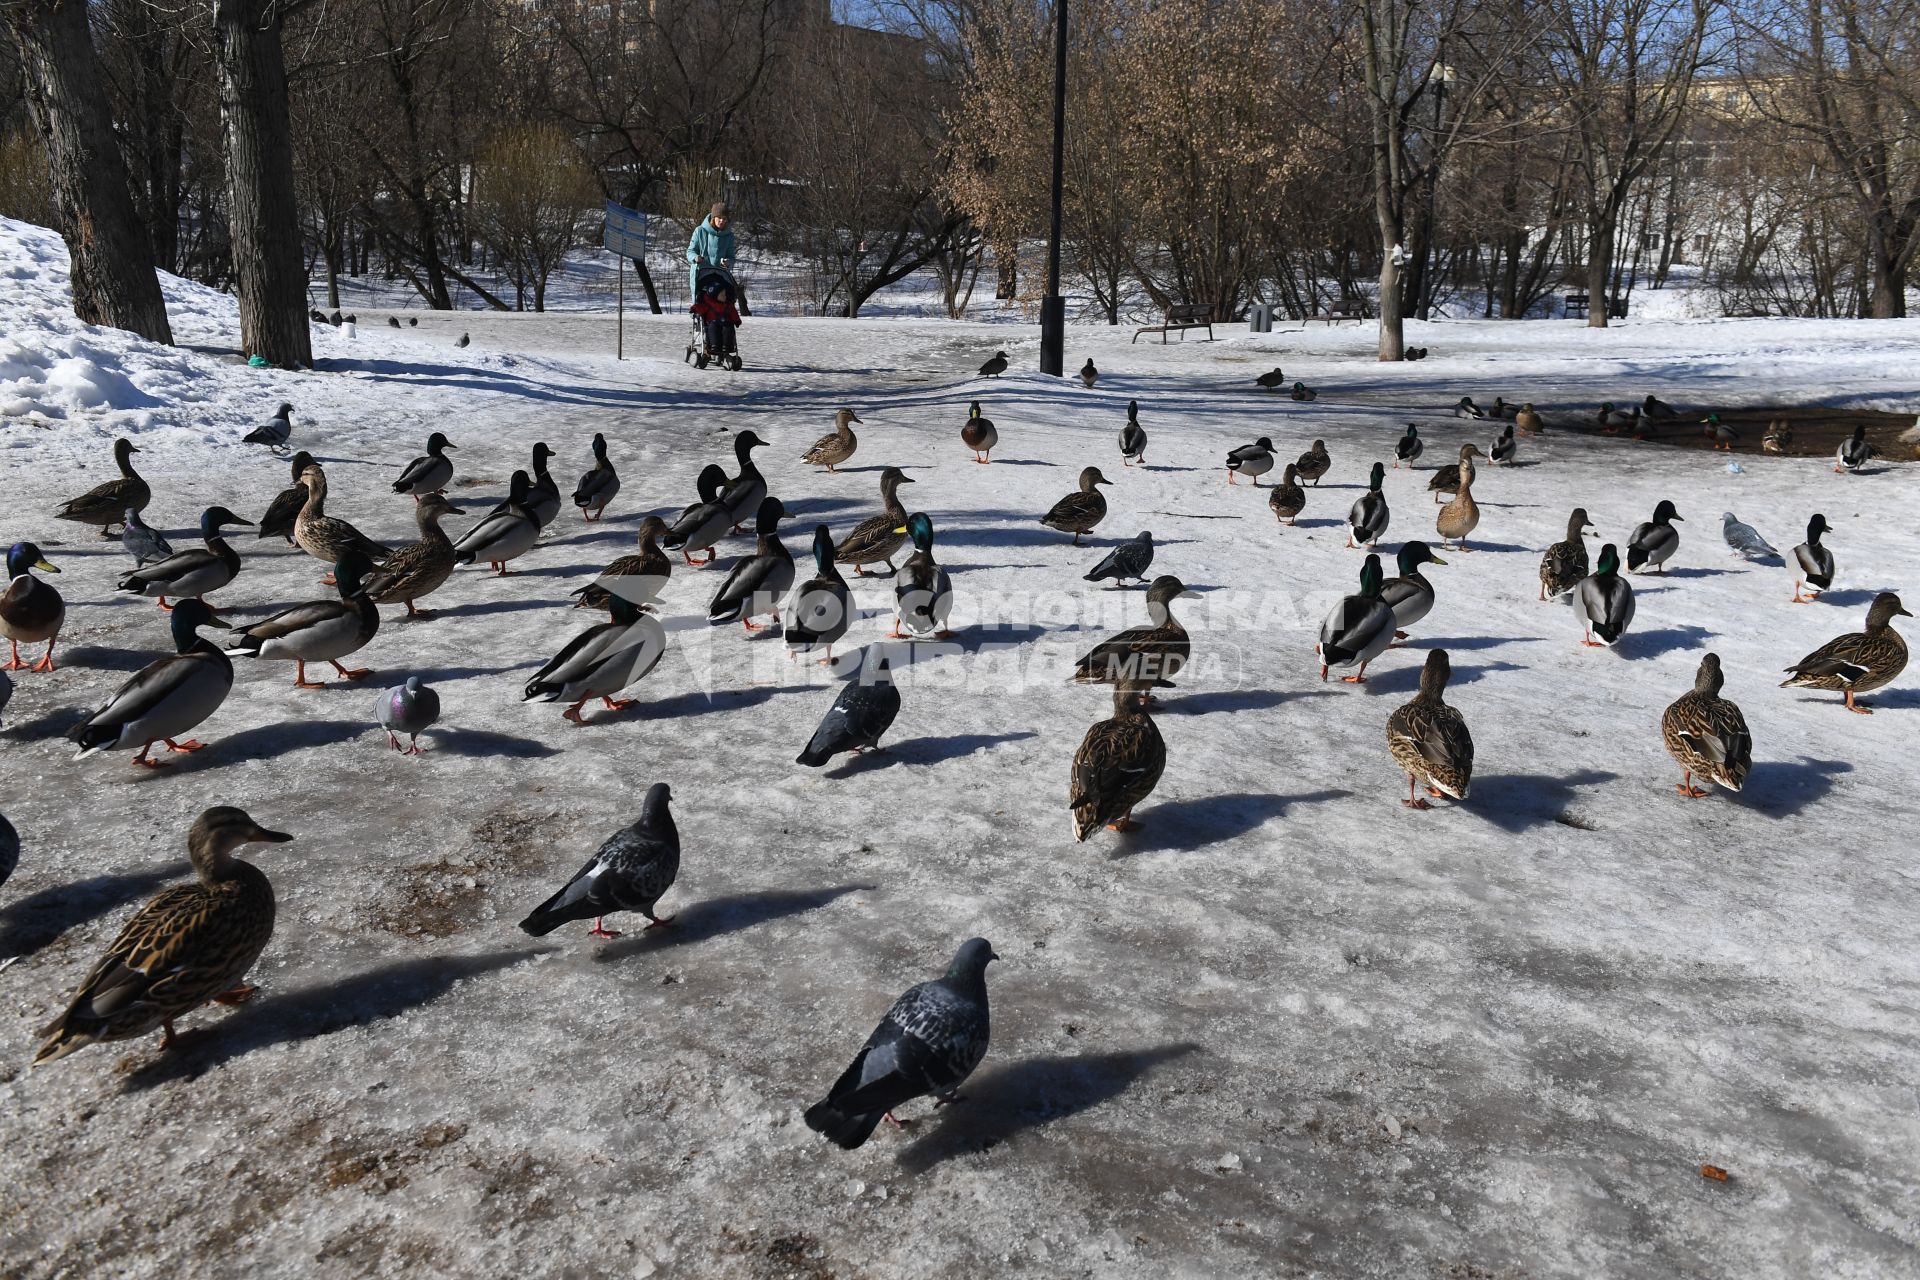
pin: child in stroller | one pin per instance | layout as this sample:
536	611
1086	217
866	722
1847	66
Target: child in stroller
715	319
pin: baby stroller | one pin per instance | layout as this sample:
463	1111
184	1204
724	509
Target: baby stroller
715	318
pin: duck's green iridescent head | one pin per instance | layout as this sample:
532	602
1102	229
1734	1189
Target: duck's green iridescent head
1371	576
1609	560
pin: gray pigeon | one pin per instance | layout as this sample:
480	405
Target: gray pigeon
994	367
275	431
1128	560
929	1043
393	322
9	848
464	340
864	710
1744	538
629	873
411	708
143	544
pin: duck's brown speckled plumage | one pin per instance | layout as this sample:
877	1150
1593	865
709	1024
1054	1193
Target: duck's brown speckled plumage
877	537
326	538
1288	499
1428	738
1117	766
105	505
1707	734
1859	662
649	561
285	507
1141	658
419	568
1081	510
1565	562
832	450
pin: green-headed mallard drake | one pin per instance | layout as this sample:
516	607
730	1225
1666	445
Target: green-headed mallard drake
1288	499
1565	562
1251	460
1652	543
995	365
1505	449
1777	437
1133	438
1304	393
746	491
285	507
543	496
192	944
165	698
1461	516
1128	560
193	572
701	525
1088	374
1466	408
30	610
419	568
599	485
644	572
979	434
1408	447
1117	766
922	590
1613	421
1854	452
1140	659
819	613
320	630
505	533
274	432
1429	739
1367	519
1528	420
1445	481
1410	595
831	450
105	505
1360	627
1707	734
1081	510
1603	600
326	538
1812	561
1860	662
430	473
1272	380
1723	436
601	661
1658	410
877	537
756	584
1314	463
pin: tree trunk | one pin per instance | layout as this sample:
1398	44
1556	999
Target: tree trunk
263	214
1888	300
111	262
1600	235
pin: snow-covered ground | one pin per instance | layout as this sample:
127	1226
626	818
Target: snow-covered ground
1285	1028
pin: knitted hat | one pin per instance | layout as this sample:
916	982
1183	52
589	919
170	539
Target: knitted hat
719	209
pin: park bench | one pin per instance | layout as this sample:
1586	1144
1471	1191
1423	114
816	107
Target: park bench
1181	317
1577	306
1345	309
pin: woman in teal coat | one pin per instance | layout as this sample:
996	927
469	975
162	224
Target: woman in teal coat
711	245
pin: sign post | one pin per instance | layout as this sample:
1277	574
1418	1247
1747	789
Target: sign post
625	236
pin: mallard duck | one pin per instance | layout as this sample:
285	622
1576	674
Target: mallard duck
1368	517
431	473
643	573
1410	595
1654	542
1707	734
1659	410
320	630
979	434
1860	662
285	507
1565	562
30	610
192	944
1251	460
1303	393
193	572
145	544
923	591
165	698
506	533
105	505
745	492
326	538
1288	499
1777	438
274	432
1140	659
1461	516
1133	437
1117	766
1272	380
1429	739
1088	374
598	486
543	497
601	661
1445	481
1128	560
1466	408
702	525
1360	627
1528	421
1408	447
1604	601
419	568
630	872
1812	562
1723	436
831	450
1854	452
1314	463
819	613
877	537
1505	449
1080	511
757	583
995	365
410	708
1613	421
864	709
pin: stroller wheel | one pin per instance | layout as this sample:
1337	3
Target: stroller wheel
733	363
700	360
688	356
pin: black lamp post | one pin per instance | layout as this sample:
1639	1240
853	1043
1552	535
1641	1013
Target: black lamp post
1053	307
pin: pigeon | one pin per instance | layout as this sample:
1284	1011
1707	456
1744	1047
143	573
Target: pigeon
1128	560
352	319
464	340
318	317
1744	538
629	873
994	367
9	847
1088	374
142	543
275	431
393	322
1272	381
409	708
1133	437
929	1043
335	319
413	322
864	710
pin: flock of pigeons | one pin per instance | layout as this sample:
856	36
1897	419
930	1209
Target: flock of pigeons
195	943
